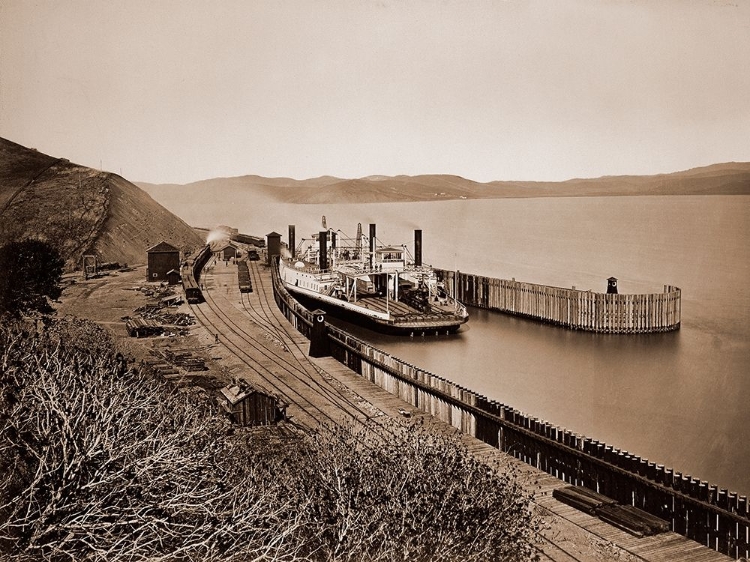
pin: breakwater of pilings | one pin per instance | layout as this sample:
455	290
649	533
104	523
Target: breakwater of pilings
712	516
580	310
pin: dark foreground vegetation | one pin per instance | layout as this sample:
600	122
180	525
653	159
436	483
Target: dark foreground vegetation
101	463
30	272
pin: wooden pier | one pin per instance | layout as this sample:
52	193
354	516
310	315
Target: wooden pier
579	310
714	518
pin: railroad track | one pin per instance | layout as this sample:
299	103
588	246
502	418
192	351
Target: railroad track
302	383
283	368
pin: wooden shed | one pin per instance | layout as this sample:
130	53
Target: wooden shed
162	258
227	252
247	405
173	277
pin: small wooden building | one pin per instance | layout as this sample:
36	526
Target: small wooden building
162	258
227	252
247	405
612	286
173	277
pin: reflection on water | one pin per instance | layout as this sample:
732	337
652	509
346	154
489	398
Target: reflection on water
631	392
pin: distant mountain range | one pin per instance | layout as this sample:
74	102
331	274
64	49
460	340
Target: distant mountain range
718	179
80	210
87	211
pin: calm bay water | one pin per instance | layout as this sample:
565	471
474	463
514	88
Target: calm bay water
680	399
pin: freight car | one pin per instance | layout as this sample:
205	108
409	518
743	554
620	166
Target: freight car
191	275
193	293
243	276
247	239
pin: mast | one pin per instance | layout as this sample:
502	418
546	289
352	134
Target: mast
358	243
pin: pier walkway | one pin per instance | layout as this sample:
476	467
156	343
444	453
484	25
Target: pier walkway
261	347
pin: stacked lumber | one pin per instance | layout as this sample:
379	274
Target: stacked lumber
186	360
626	517
138	327
162	368
633	520
582	498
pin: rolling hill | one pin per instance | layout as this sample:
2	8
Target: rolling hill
718	179
81	210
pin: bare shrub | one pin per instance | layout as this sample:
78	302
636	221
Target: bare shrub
419	496
104	467
100	466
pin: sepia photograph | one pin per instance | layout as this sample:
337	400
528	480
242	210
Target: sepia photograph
374	280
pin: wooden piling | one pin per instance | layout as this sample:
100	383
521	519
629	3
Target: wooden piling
570	308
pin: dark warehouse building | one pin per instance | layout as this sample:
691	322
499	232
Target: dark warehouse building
162	258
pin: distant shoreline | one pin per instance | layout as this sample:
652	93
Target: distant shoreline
718	179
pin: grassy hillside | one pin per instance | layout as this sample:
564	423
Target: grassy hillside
81	210
719	179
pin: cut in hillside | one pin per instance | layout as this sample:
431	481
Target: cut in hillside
719	179
80	210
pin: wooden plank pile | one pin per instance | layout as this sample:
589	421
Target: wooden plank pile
162	368
582	498
186	360
176	319
139	327
626	517
633	520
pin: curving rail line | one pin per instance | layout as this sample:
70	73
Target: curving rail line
301	377
298	379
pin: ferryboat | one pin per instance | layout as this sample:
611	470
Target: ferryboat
373	285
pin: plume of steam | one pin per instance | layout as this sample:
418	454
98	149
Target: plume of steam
215	235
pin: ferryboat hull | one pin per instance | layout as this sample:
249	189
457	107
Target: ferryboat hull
370	285
417	328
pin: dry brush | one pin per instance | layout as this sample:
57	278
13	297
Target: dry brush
100	465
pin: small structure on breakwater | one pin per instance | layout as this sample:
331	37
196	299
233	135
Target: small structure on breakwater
608	312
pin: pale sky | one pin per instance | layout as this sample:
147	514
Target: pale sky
173	92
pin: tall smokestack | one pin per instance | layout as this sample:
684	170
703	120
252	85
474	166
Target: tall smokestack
417	248
333	240
372	245
323	240
292	243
